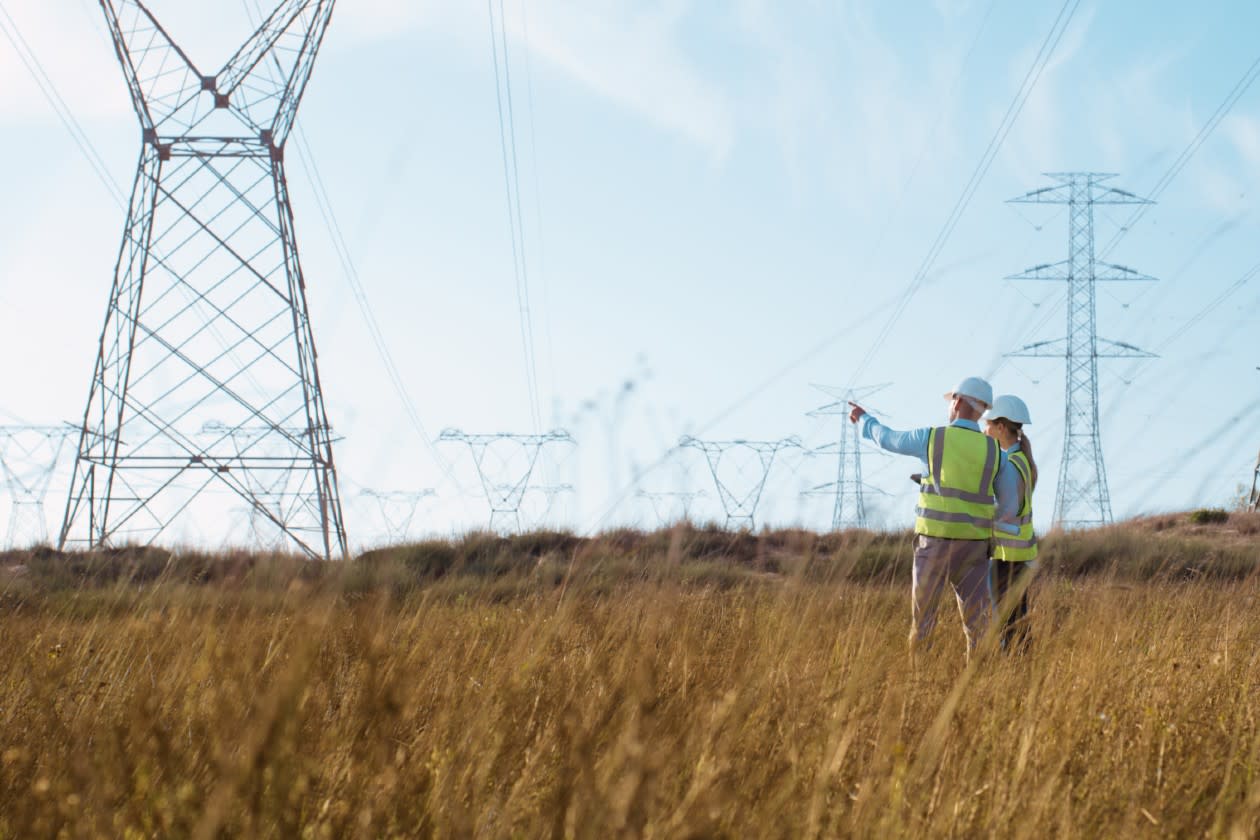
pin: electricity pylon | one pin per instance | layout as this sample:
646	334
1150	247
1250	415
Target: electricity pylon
398	509
849	508
1254	499
1083	498
28	459
270	498
665	502
550	493
208	316
740	505
515	455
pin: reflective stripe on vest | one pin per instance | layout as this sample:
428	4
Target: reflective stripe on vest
956	496
1021	547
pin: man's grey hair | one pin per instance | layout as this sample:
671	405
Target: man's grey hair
976	405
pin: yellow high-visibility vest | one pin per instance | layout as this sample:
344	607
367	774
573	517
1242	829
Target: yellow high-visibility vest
956	497
1021	547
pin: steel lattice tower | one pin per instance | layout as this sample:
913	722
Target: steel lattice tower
208	316
550	494
1253	499
848	447
516	452
740	504
665	502
398	509
28	460
1083	498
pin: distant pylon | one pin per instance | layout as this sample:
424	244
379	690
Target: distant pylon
1254	499
550	493
1083	498
398	509
207	316
740	503
849	507
671	506
28	459
516	454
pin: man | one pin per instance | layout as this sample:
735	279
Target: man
963	472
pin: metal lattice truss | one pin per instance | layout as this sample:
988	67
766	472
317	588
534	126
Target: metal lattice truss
271	500
849	507
671	506
740	469
207	316
398	509
28	459
1083	497
505	465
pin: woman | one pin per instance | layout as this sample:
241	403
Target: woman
1014	555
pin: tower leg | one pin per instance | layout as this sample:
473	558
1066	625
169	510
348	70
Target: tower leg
92	483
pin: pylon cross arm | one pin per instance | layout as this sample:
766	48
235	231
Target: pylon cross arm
158	72
1108	349
1054	348
1111	272
1045	195
260	85
1111	195
295	29
1045	271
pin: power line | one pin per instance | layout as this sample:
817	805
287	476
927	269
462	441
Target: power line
351	272
928	143
512	187
1040	60
1031	77
1247	277
1240	87
342	250
31	62
538	213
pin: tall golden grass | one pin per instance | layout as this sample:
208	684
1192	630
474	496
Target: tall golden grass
662	698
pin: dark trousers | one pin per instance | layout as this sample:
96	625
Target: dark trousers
1009	584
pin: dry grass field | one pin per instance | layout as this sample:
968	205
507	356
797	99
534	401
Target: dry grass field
690	683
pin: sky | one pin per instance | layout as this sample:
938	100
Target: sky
723	204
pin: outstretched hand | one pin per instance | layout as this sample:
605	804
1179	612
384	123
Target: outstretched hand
856	412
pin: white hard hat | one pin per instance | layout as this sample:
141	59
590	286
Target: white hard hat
1009	407
974	387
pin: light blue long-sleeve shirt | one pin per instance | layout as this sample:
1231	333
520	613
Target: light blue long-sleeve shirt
915	443
1019	479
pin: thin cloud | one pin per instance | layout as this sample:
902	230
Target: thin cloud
629	53
634	56
74	52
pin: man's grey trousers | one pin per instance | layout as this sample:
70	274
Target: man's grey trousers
963	566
